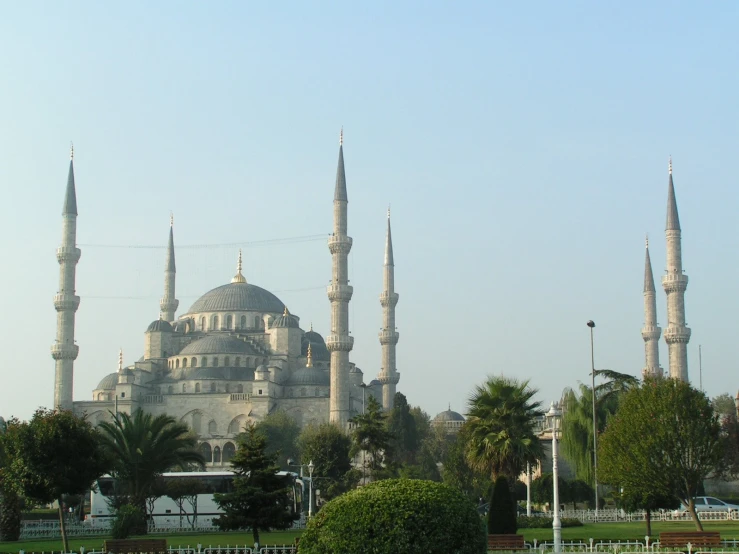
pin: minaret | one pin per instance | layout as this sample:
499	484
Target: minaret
168	304
651	332
389	375
675	282
339	343
64	350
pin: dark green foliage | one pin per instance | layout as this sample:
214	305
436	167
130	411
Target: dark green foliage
502	510
396	516
401	425
371	436
457	473
328	448
541	522
129	520
142	447
10	515
673	439
260	500
281	432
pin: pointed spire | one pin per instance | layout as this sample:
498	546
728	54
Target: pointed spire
120	360
648	275
286	312
238	278
673	221
309	363
340	192
70	198
389	242
170	246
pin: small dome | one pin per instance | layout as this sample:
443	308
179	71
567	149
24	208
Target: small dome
318	347
313	337
109	381
286	320
218	344
159	325
309	376
355	369
449	415
207	373
374	382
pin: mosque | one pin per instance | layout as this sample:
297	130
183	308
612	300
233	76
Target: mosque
237	354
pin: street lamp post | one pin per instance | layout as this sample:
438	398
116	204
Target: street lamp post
554	415
310	489
528	489
591	324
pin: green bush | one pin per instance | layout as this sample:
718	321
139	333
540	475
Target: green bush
129	520
541	522
396	516
502	513
10	516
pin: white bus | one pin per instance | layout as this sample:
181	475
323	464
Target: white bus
164	512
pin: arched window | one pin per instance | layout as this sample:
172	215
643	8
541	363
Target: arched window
202	323
170	390
194	362
213	386
228	452
227	361
239	388
101	396
216	455
184	362
237	362
257	322
229	321
184	387
212	427
215	323
243	322
197	387
203	362
178	363
206	452
215	361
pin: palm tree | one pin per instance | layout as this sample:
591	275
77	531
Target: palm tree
142	447
501	423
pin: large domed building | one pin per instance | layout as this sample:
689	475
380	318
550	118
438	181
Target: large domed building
236	355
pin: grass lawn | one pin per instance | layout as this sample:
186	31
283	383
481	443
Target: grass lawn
598	531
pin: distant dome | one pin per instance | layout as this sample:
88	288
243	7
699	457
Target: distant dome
309	376
237	297
218	344
109	381
159	325
318	347
374	382
286	320
449	415
355	369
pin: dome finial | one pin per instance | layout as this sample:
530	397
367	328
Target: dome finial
311	327
286	312
238	278
120	360
309	363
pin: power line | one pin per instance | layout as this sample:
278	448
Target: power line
183	297
254	243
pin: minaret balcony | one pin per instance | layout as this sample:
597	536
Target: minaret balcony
388	337
339	244
64	351
65	254
389	299
651	333
340	293
64	301
391	379
674	282
339	343
677	335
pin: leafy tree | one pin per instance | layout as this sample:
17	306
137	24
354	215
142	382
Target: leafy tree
724	406
10	504
542	489
396	516
54	454
457	473
328	448
502	511
260	500
730	431
579	491
141	448
282	433
501	423
185	490
401	424
673	439
371	436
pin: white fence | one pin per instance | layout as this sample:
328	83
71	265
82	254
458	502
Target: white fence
616	516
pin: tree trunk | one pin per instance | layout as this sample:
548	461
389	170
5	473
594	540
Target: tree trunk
648	519
255	534
62	528
694	515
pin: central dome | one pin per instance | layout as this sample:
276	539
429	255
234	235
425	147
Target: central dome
237	297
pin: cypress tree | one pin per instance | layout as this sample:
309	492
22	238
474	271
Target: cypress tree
502	513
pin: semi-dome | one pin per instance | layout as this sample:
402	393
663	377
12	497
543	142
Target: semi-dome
236	297
159	325
218	344
108	382
309	376
449	415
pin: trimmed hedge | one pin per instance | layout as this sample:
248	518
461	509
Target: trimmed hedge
396	516
540	522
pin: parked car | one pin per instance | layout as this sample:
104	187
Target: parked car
709	504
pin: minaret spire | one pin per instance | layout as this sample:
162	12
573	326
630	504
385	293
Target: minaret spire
389	375
239	277
651	332
677	334
169	303
64	350
339	342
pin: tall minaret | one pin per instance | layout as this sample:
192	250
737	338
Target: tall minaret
168	304
651	332
675	282
389	375
339	343
64	350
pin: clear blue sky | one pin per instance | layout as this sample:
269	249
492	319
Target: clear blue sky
523	149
